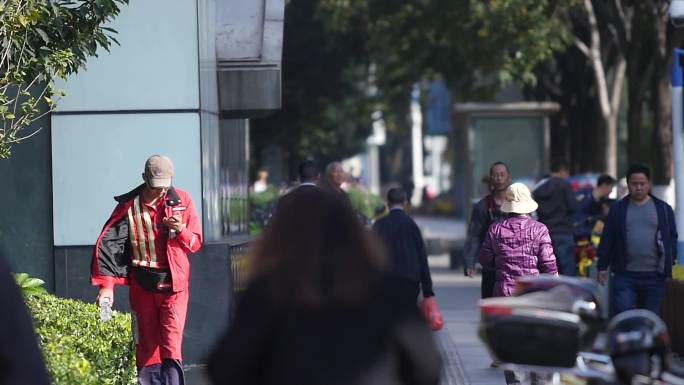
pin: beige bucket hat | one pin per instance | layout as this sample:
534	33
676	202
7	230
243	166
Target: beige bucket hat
519	200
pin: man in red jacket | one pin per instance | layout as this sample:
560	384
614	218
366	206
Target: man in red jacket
145	244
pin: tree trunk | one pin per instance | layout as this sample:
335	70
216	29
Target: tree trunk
635	148
639	70
612	143
640	67
611	119
662	131
608	95
396	152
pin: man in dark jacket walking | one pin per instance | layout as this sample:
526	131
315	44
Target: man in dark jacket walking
590	205
557	207
404	245
486	211
639	244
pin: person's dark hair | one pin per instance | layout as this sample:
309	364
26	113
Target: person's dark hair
314	252
491	169
308	171
605	179
558	165
638	169
396	196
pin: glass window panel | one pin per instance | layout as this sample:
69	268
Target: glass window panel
95	157
517	141
154	67
225	166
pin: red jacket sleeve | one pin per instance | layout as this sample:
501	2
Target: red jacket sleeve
191	236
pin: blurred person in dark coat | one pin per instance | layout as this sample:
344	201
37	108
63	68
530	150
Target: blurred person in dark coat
320	310
21	362
557	207
332	181
404	244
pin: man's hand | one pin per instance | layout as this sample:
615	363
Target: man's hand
106	293
470	272
174	223
603	277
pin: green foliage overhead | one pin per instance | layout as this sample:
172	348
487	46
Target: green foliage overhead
461	40
78	348
40	41
326	104
522	33
343	60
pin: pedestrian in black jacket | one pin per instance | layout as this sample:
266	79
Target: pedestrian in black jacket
557	207
404	245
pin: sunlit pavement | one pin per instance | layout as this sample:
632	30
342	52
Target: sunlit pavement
466	358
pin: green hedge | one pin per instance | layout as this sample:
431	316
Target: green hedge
78	347
366	202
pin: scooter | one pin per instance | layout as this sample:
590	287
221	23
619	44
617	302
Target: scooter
555	325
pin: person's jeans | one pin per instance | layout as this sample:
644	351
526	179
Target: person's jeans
637	290
169	372
564	249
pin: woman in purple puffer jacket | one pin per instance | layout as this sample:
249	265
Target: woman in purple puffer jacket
518	245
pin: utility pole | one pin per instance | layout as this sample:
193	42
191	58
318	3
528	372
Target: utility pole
678	146
417	147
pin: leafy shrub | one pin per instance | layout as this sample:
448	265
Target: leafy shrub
366	202
262	207
78	347
265	197
29	285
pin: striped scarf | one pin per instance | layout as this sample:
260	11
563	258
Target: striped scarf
141	234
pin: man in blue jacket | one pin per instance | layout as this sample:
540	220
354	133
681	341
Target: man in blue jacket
639	244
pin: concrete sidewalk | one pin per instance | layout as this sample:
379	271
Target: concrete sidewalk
466	358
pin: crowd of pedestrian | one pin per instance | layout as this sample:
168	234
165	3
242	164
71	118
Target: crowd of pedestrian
331	300
636	234
514	232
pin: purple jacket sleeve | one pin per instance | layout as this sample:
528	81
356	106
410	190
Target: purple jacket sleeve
486	256
546	258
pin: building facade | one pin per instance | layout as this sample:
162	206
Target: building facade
184	82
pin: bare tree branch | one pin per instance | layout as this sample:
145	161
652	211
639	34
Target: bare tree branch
618	82
583	48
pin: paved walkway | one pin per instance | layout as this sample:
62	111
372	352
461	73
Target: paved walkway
466	358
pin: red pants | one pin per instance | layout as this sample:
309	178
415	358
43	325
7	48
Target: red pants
159	320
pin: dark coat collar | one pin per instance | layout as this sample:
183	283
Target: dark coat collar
172	197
